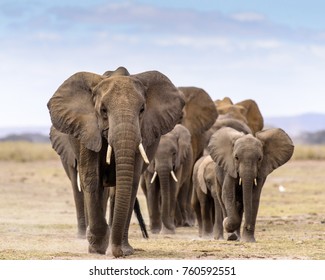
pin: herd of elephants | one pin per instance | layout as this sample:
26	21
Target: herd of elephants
196	160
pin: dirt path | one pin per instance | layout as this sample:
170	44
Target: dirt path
37	219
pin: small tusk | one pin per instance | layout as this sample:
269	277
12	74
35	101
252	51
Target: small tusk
109	154
78	183
153	177
240	181
143	154
255	182
174	176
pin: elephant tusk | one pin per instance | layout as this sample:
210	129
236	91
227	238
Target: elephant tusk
174	176
153	177
143	153
255	182
240	181
109	154
78	183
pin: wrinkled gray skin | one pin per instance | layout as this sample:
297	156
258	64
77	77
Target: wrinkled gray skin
243	163
118	111
61	144
199	114
205	199
164	195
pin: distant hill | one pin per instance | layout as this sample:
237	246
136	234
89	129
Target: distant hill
296	125
29	137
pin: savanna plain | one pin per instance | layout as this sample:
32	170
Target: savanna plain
37	214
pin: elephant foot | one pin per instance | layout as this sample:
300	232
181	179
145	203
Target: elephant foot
229	225
127	249
166	230
119	251
97	243
233	236
155	230
248	234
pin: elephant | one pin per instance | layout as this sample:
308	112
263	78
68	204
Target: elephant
115	119
205	198
246	111
167	179
199	114
61	144
243	164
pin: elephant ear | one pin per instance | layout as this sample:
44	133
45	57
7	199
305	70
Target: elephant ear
61	144
221	148
201	173
277	148
200	111
223	105
72	109
184	143
164	104
253	115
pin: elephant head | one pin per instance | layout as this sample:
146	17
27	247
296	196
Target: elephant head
173	155
247	161
246	111
124	115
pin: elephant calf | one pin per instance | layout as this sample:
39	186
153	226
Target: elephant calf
205	201
243	163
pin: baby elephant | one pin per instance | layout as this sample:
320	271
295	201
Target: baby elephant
205	198
243	163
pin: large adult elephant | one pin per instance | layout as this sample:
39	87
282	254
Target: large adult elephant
243	163
61	144
119	120
167	178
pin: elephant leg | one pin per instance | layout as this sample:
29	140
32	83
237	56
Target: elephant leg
79	202
249	231
153	203
218	219
197	209
97	230
207	226
184	203
232	221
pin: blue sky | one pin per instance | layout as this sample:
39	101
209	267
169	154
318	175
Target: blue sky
270	51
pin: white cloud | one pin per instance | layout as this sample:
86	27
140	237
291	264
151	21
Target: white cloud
248	17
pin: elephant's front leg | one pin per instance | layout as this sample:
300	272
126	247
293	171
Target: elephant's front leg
249	229
97	230
232	221
218	216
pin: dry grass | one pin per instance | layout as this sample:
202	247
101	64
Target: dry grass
26	151
309	152
37	218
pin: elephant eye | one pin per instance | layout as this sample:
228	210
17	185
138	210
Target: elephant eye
103	112
236	157
142	109
260	158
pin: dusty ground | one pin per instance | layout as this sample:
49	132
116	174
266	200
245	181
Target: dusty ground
37	219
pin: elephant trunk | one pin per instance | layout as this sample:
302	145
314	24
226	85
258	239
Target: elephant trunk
124	140
249	226
168	197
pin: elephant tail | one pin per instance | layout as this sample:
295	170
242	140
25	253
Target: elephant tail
137	211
